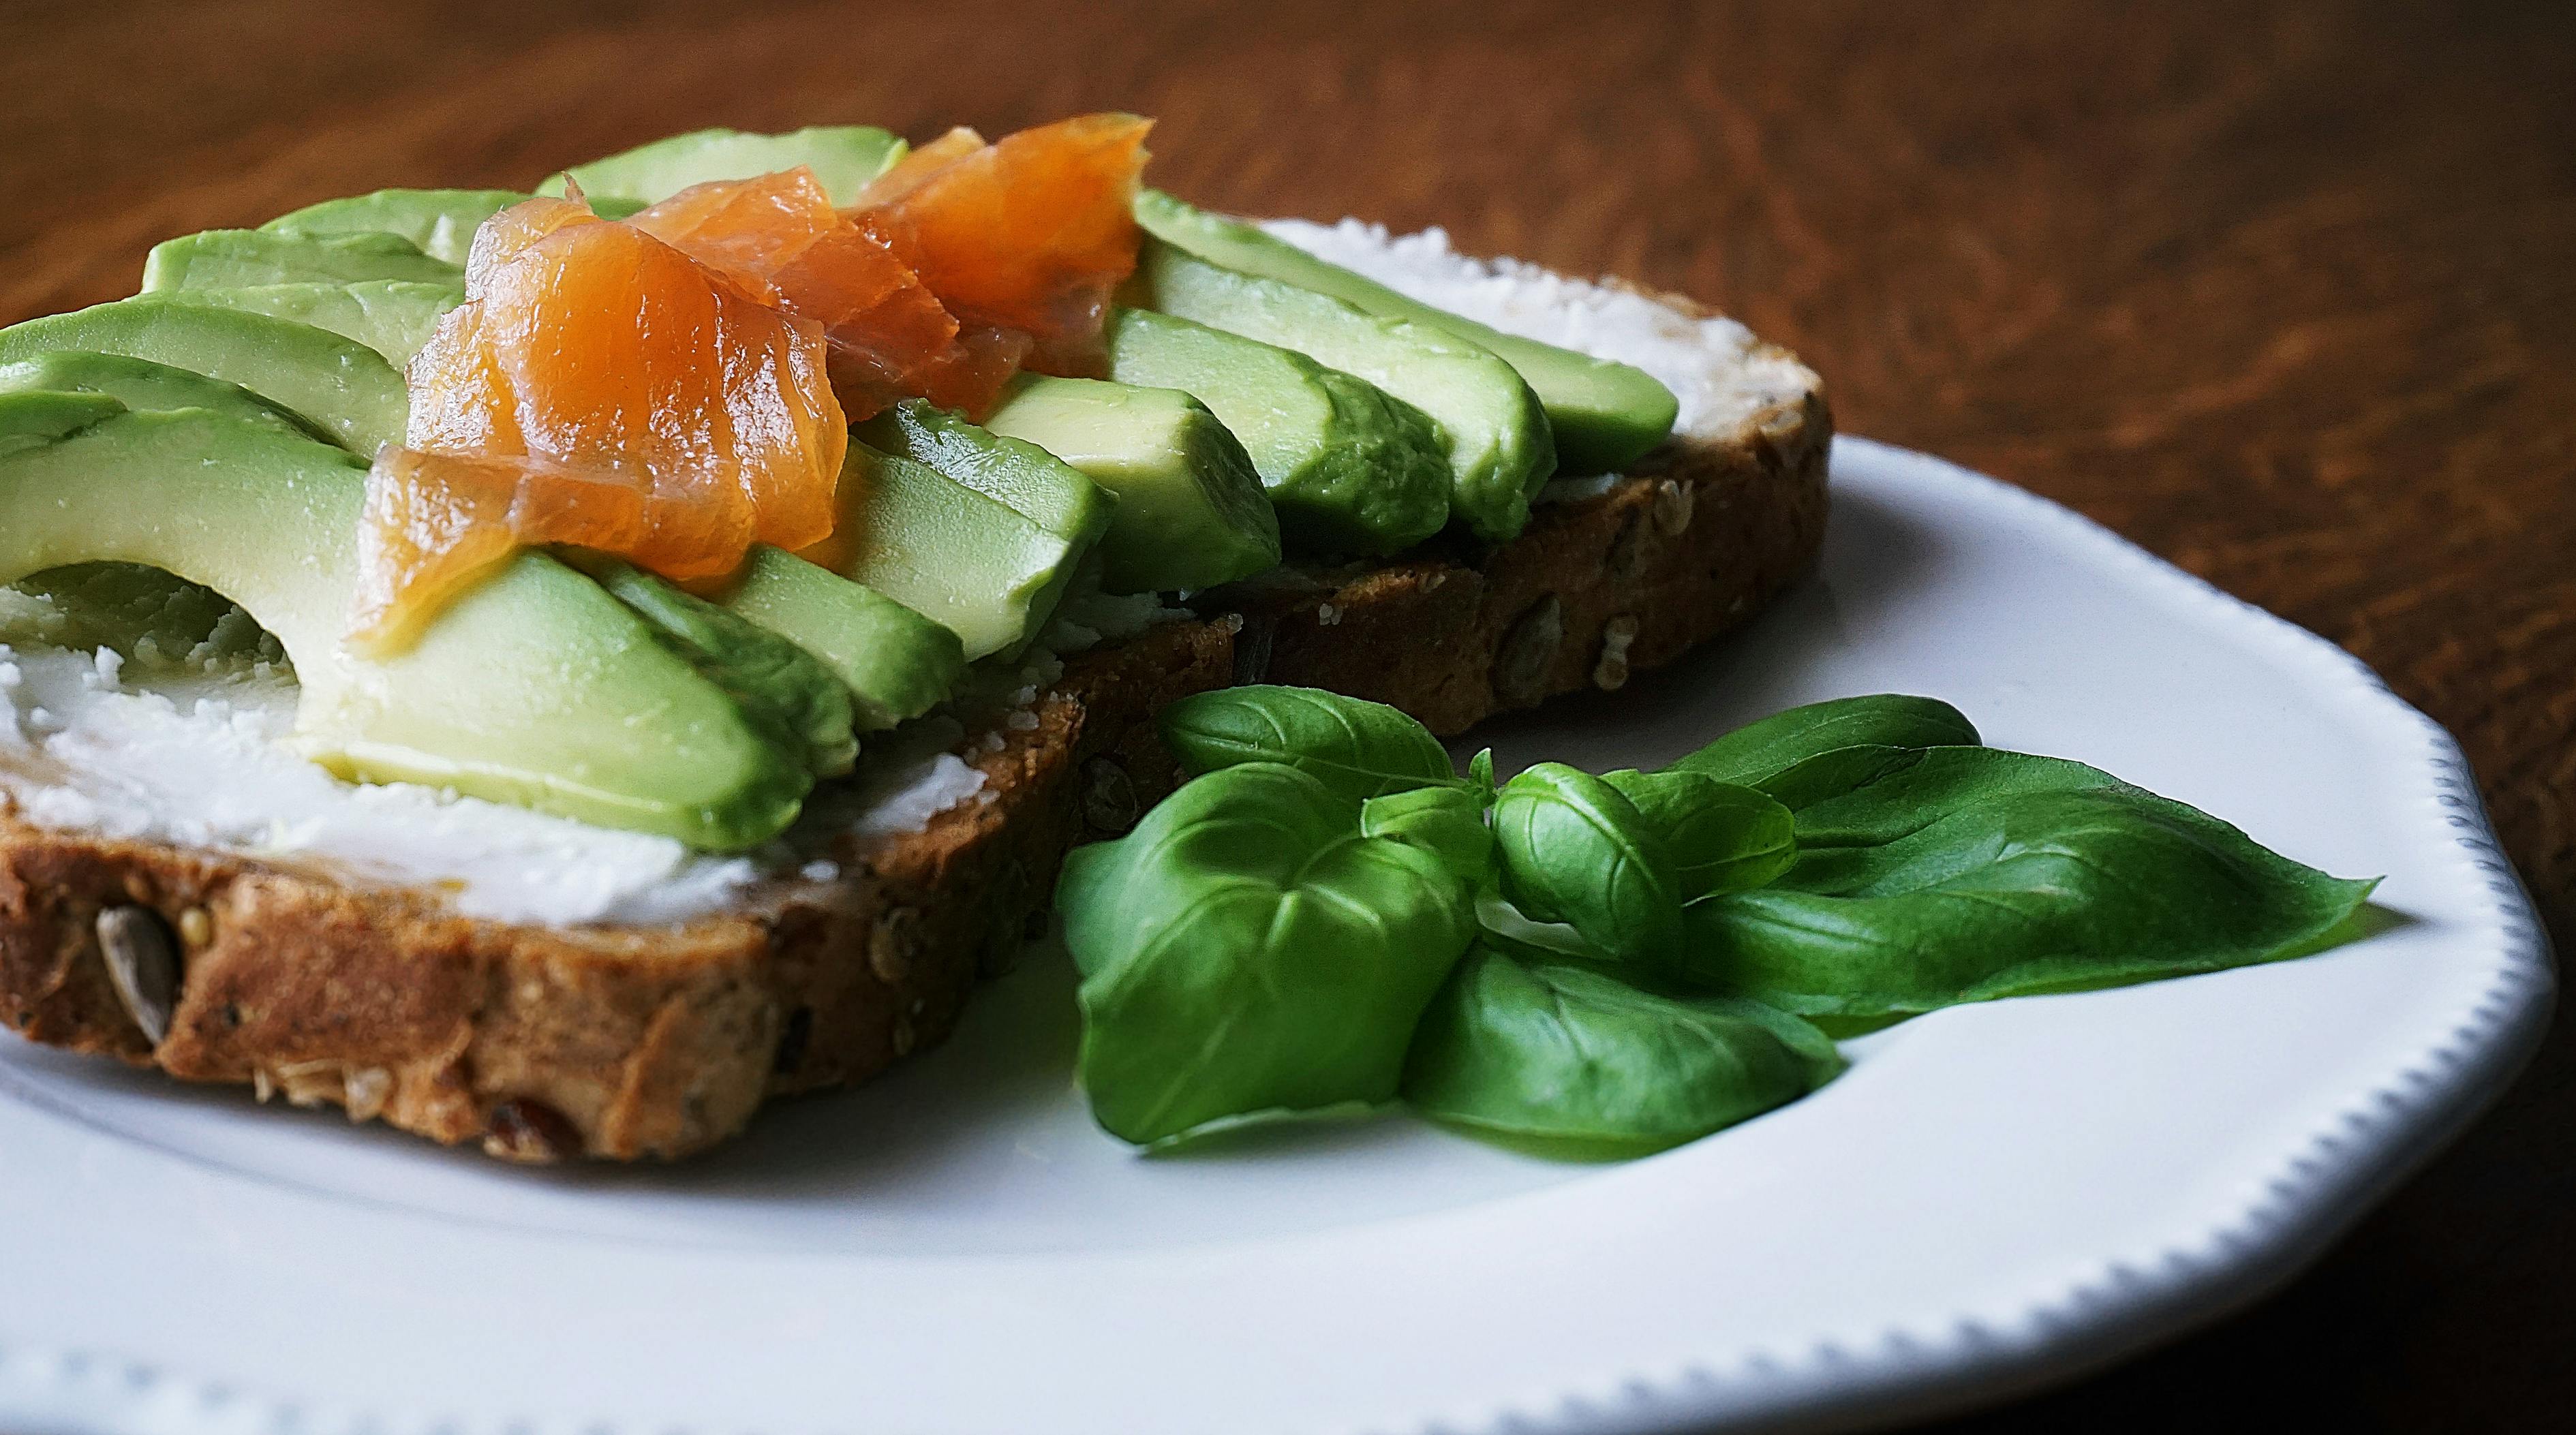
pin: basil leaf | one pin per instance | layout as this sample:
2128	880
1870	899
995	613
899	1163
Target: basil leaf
1360	749
1752	754
1447	822
1723	838
1480	772
1576	850
1573	1059
1966	874
1244	951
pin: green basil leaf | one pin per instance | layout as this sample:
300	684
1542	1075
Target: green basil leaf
1723	838
1360	749
1576	850
1244	952
1967	874
1752	754
1480	773
1447	822
1577	1062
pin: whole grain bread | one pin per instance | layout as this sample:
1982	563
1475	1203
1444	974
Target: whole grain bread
624	1042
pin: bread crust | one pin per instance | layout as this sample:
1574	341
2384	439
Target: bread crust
541	1043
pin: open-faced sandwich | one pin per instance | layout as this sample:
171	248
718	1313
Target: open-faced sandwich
555	669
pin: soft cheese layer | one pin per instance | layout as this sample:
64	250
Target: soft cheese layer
203	760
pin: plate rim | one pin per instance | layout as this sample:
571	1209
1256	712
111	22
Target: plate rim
2116	1307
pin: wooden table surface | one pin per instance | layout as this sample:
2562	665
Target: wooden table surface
2286	293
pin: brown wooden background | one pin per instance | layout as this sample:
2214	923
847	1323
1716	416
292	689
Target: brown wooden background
2285	292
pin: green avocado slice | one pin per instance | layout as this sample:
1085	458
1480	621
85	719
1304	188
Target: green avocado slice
342	385
439	222
1606	415
1051	496
240	258
1350	469
969	562
1191	513
141	384
896	663
1500	447
843	157
536	687
394	317
796	698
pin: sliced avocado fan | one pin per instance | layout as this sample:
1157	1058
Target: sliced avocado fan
344	387
239	258
394	317
1500	446
1605	415
536	687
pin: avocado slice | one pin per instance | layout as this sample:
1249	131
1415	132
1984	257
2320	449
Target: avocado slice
142	384
32	420
801	703
971	563
342	385
895	663
535	687
1606	415
1350	469
1049	493
1500	449
439	222
394	317
843	157
1190	511
239	258
1013	472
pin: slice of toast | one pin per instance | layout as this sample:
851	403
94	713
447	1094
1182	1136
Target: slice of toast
622	1042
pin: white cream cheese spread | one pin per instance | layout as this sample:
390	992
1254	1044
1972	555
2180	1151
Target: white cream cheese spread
200	758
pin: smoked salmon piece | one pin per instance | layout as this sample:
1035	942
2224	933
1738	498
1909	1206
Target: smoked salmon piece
1030	233
675	388
601	388
779	236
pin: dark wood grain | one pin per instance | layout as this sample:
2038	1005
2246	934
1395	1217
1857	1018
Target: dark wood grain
2286	293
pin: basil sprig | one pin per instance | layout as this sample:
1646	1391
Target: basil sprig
1722	838
1447	822
1610	965
1959	874
1245	950
1574	1061
1360	749
1575	850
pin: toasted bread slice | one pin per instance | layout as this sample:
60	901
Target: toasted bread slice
623	1042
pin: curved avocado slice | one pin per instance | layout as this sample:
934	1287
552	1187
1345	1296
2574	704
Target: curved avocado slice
966	561
440	222
239	258
33	420
896	663
142	384
536	687
1606	415
779	684
394	317
1047	493
1190	511
1351	470
1500	447
342	385
843	157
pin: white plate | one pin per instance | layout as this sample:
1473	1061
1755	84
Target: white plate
1993	1196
